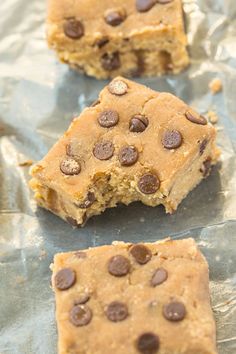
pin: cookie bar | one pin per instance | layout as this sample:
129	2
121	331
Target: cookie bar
133	144
141	298
115	37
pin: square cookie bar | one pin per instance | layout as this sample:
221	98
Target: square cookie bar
134	298
115	37
133	144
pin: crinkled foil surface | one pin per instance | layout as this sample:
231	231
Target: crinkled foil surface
38	98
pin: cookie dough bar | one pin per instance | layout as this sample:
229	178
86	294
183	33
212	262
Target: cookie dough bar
115	37
133	144
134	298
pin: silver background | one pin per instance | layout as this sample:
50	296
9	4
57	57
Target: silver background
38	98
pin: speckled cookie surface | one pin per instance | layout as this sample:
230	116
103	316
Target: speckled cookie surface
110	38
134	144
143	298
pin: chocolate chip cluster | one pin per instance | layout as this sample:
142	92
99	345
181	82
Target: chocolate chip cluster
81	313
104	150
74	29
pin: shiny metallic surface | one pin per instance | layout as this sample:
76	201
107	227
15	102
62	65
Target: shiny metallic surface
38	99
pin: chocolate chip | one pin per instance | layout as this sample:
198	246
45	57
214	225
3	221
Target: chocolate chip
144	5
206	167
108	119
82	299
148	183
164	1
197	119
81	254
141	253
119	266
64	279
174	311
70	166
138	123
90	199
116	311
103	150
110	61
80	315
118	87
73	29
203	146
128	155
160	276
95	103
73	222
140	66
148	343
172	139
101	42
114	18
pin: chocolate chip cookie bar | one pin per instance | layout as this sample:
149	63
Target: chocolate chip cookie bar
133	144
115	37
134	298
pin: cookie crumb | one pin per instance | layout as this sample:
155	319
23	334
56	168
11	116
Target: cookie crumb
215	86
212	116
26	163
20	279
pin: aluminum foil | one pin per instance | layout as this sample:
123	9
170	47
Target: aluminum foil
38	98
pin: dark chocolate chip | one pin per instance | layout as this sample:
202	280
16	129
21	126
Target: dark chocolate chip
108	119
141	253
206	167
116	311
140	66
81	254
194	118
114	18
138	123
128	155
118	87
148	183
119	266
148	343
82	299
110	61
72	221
95	103
73	29
144	5
164	1
174	311
70	166
102	42
64	279
203	146
80	315
172	139
160	276
90	199
103	150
